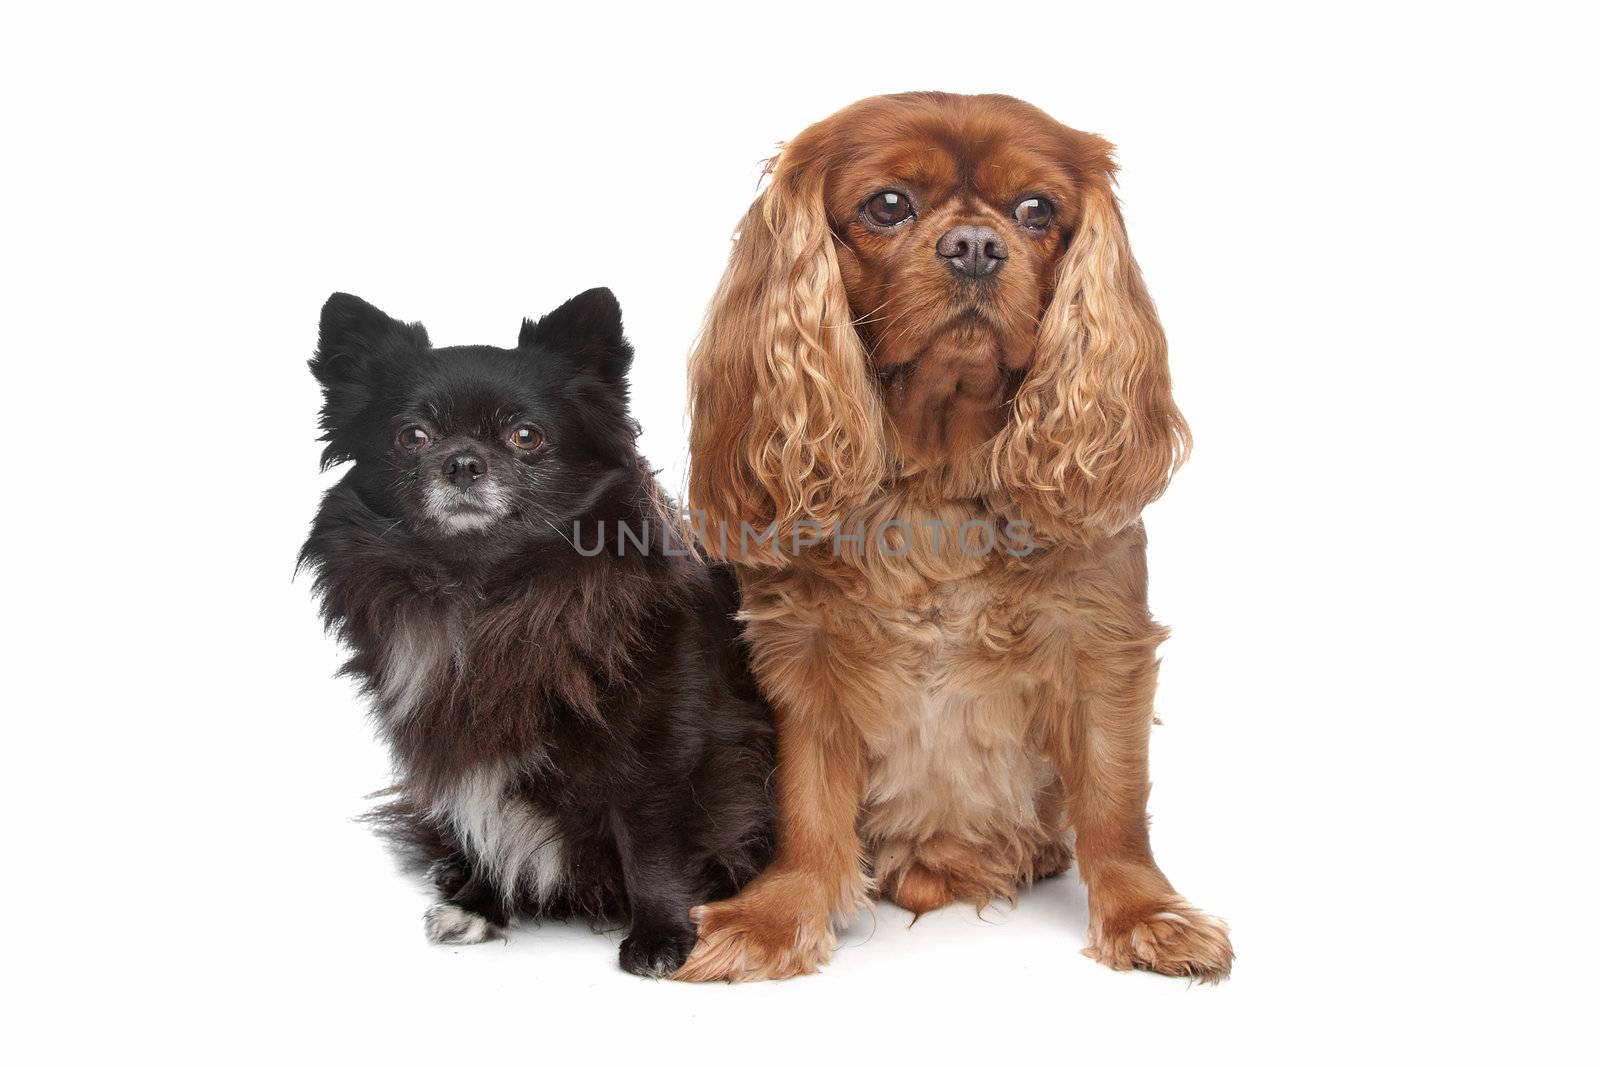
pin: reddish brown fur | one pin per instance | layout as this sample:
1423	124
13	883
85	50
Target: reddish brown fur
949	358
945	720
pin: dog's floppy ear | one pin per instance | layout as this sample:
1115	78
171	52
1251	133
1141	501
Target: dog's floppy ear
785	422
586	330
352	337
1094	434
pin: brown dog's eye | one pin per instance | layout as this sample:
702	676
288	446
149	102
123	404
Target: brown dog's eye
413	438
888	208
1036	212
524	437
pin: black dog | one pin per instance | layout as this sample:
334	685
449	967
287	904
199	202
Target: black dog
563	684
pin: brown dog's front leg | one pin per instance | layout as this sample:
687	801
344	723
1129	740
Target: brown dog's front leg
782	924
1136	918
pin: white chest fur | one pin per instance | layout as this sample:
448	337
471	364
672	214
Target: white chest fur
416	660
511	841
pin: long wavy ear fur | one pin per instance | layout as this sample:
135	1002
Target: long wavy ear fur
1094	434
785	423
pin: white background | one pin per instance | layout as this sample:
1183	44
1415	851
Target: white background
1371	232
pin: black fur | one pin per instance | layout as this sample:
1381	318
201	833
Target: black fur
598	700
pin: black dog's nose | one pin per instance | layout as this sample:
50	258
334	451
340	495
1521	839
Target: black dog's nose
463	469
976	251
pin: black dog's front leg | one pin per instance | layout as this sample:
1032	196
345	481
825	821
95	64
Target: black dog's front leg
471	908
661	886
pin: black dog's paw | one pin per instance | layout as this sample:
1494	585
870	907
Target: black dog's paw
450	924
656	953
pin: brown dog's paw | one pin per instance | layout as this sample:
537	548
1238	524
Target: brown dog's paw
757	936
1167	937
919	890
1053	859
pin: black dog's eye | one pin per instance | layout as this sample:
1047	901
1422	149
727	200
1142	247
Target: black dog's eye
1036	213
413	439
524	437
888	208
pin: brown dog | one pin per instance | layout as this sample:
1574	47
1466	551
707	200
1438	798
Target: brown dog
934	386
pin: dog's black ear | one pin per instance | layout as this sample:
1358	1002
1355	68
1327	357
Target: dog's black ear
353	336
587	330
352	333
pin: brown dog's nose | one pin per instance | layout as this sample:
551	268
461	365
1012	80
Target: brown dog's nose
976	251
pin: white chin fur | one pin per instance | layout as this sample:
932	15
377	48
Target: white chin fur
465	521
442	503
